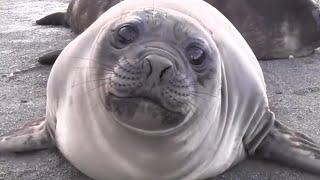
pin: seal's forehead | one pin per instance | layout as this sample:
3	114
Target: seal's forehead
157	12
168	21
155	16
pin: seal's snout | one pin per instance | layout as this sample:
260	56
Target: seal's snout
159	69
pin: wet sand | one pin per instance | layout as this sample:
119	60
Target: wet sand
293	89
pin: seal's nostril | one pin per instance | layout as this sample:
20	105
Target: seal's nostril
164	71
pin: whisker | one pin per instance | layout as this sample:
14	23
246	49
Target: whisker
191	104
89	81
98	62
204	93
91	90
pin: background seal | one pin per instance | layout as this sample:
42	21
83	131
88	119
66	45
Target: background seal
273	29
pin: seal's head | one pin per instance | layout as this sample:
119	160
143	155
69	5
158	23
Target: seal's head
159	70
162	81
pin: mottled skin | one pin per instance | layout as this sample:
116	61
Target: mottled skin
273	28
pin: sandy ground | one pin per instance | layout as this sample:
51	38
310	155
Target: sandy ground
293	90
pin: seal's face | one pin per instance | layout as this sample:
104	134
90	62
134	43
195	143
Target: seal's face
160	69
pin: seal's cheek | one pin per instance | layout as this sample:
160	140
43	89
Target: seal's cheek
207	79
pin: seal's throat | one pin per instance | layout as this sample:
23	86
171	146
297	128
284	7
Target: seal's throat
143	113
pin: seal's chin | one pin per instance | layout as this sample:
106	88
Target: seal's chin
143	114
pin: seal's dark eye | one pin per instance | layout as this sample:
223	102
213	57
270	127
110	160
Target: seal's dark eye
195	54
127	34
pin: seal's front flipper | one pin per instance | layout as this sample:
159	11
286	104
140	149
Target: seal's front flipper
290	148
49	58
33	136
56	19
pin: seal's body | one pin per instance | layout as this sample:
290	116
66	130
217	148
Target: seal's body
157	91
276	28
273	29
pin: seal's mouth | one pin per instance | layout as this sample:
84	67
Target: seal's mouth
143	114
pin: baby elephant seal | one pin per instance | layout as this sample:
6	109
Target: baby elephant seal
161	90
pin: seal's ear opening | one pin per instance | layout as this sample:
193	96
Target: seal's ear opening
290	148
